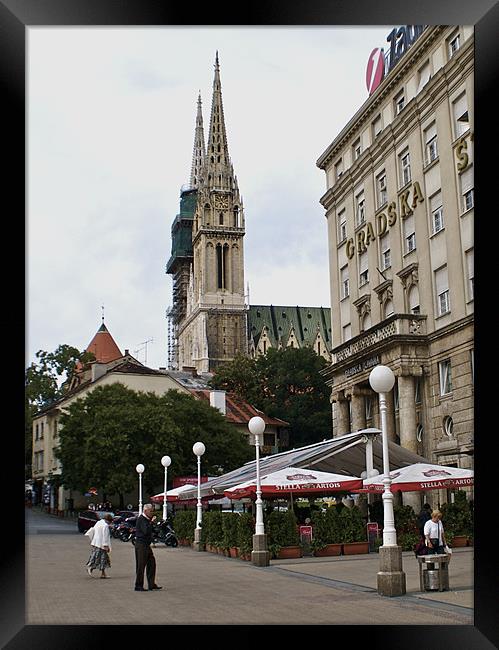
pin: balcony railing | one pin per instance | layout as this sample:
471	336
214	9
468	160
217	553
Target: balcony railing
398	324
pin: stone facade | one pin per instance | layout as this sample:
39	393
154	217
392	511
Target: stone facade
399	207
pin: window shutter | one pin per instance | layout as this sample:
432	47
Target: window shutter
441	281
436	201
467	180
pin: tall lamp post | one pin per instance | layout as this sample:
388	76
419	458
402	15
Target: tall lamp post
391	578
166	462
260	555
140	469
198	448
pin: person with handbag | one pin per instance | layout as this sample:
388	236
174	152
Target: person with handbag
100	540
434	534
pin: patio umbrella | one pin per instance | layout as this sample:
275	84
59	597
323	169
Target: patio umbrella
422	477
172	495
295	481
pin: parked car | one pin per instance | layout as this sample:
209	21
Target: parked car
88	518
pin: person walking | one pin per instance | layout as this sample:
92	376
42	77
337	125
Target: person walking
423	517
144	557
100	540
434	534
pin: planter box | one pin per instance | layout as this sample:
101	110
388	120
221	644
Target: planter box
289	552
459	541
354	548
328	550
234	552
245	556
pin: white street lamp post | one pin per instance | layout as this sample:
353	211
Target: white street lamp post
140	469
166	462
198	448
391	578
260	555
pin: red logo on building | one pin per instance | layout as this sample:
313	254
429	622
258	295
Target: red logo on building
375	70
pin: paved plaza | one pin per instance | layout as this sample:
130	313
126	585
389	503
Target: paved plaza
203	588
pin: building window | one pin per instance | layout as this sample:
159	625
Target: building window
448	426
472	362
467	189
413	298
37	433
338	169
409	234
356	149
471	273
376	127
399	102
363	269
437	213
381	189
423	76
469	199
454	44
347	332
405	168
419	432
360	208
417	392
388	308
461	118
345	282
41	430
385	252
342	226
431	143
444	371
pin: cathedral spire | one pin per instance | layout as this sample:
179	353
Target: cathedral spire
218	172
199	152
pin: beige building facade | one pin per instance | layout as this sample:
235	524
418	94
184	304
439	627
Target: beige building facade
399	207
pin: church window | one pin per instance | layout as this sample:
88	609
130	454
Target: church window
221	218
236	216
218	158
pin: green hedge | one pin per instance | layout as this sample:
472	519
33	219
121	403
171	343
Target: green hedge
184	524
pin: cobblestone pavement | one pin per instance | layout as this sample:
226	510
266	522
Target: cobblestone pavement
203	588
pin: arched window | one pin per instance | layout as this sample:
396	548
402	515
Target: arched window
221	218
236	216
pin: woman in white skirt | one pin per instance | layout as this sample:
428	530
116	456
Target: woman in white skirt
100	540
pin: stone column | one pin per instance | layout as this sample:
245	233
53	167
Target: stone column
358	410
342	414
408	424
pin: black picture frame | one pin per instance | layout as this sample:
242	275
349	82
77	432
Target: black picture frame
15	17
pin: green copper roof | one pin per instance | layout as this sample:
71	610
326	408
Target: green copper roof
305	321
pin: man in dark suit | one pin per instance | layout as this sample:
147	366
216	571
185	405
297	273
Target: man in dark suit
144	558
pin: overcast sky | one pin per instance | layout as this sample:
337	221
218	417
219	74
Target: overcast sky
111	118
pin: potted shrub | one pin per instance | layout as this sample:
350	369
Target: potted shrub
326	539
406	525
245	532
457	519
353	531
283	536
184	524
229	533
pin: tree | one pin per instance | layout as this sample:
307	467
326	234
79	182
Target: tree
113	428
44	383
286	384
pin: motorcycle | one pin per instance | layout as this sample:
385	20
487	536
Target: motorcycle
163	532
126	530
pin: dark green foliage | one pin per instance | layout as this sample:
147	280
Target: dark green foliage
352	525
211	528
105	434
406	525
457	517
286	384
229	529
376	513
245	532
44	384
327	528
281	528
184	524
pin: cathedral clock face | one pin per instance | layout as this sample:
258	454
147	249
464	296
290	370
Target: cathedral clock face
221	201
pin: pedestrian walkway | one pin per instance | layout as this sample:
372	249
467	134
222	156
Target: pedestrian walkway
204	588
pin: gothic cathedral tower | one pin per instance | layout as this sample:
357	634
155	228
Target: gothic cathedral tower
212	326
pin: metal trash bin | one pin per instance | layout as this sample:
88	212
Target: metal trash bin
435	574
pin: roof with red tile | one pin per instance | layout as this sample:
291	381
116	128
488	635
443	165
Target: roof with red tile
239	411
103	346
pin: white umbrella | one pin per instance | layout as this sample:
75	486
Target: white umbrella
422	477
172	495
298	482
